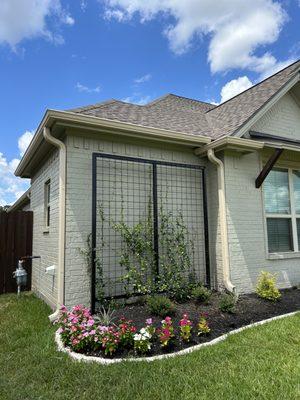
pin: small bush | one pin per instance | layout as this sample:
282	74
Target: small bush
160	305
181	294
266	287
228	302
201	294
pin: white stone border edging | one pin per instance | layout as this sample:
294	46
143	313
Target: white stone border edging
105	361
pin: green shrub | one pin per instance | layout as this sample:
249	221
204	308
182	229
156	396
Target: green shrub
160	305
266	287
201	294
181	292
228	302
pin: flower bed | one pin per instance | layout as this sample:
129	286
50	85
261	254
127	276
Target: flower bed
132	335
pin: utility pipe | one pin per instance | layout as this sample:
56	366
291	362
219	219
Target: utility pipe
62	219
223	219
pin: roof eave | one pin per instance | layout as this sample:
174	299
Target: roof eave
71	119
231	143
24	199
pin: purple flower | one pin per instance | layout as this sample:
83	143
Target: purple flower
149	321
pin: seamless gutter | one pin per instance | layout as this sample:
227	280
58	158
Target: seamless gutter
87	121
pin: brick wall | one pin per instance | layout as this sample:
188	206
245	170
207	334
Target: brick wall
79	190
45	244
246	221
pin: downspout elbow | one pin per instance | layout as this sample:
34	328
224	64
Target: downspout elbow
223	219
62	219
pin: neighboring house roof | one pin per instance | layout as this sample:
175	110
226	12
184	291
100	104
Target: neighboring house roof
21	202
195	117
169	112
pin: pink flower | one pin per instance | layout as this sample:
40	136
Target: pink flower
93	332
149	321
91	322
75	341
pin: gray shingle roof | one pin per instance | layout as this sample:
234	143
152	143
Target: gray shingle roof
168	112
230	116
195	117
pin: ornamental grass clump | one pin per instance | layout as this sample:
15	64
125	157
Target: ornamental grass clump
166	332
266	287
185	328
203	326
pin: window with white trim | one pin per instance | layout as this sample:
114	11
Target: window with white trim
47	203
282	210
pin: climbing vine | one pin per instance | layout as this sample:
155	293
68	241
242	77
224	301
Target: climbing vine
137	256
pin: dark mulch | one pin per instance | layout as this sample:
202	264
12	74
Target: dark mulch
249	309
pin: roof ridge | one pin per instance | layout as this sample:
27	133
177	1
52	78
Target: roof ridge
178	96
92	106
257	84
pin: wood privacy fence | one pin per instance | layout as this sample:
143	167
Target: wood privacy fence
15	242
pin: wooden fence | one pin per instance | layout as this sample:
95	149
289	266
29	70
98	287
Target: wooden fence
15	242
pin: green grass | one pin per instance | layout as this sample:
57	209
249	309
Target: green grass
261	363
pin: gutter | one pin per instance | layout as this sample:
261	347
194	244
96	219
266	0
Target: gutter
229	142
75	120
223	219
62	219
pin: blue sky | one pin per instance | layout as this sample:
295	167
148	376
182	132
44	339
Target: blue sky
65	53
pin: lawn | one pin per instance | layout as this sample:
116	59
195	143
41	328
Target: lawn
260	363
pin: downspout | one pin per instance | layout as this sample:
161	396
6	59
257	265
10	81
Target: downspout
62	219
223	219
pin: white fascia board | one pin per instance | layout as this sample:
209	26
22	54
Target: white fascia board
66	118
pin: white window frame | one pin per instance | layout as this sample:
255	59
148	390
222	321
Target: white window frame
47	204
293	216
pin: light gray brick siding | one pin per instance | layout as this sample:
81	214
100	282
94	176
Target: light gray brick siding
45	244
79	190
245	209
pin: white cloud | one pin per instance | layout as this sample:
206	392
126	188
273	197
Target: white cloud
136	99
83	5
82	88
24	141
12	187
236	29
143	79
234	87
25	19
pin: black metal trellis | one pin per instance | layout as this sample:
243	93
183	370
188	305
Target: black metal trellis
141	179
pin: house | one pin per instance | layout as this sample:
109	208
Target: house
22	204
231	171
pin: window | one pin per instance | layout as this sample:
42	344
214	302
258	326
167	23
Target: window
47	204
282	209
